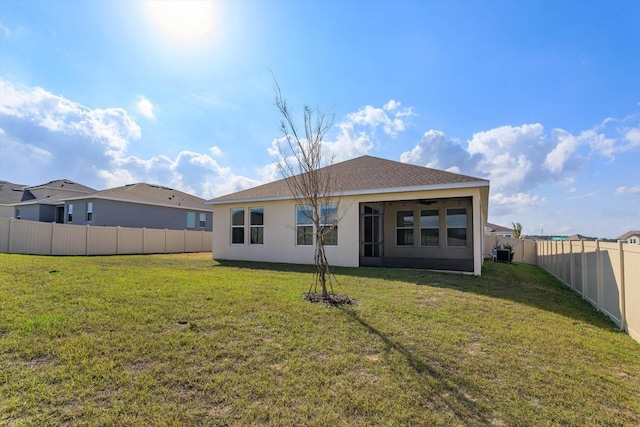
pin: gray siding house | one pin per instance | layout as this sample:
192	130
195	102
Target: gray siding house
10	194
45	202
139	205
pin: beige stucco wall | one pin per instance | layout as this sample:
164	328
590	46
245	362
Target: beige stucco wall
279	229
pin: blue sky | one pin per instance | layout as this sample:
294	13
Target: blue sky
542	98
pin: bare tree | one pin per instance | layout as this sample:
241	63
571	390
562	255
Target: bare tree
312	185
517	229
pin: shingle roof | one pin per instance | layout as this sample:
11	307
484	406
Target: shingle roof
10	193
499	228
149	194
365	174
628	234
63	184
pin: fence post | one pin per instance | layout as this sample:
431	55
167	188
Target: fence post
584	270
623	300
599	275
51	239
86	240
572	267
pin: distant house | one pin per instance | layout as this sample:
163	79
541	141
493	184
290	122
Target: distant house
578	237
10	194
139	205
44	202
392	215
498	230
632	237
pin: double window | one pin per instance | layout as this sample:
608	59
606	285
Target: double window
328	222
457	227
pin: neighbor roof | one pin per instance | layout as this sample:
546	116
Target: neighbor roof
628	234
10	193
365	175
149	194
499	228
63	184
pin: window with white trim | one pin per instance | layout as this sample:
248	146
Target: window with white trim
429	227
237	226
17	214
202	219
329	224
256	226
191	220
70	212
304	225
404	228
89	211
457	227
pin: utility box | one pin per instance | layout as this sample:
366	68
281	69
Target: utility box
503	255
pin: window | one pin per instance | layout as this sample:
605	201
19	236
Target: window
237	226
429	227
457	227
304	225
256	226
329	224
203	220
18	213
70	212
89	211
191	220
404	228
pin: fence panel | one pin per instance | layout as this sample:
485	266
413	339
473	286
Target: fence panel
193	241
130	240
611	280
30	237
175	241
5	228
154	241
591	260
576	260
68	239
632	289
102	240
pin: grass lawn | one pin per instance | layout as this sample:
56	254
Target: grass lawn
184	340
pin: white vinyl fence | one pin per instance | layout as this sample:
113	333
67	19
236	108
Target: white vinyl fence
605	274
42	238
524	251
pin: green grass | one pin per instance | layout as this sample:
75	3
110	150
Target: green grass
184	340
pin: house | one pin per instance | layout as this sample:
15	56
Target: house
10	194
578	237
498	230
44	202
391	214
632	237
139	205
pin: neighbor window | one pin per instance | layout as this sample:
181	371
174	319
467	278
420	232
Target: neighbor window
329	224
17	215
203	220
191	220
404	228
256	226
237	226
429	227
89	211
70	212
304	225
457	227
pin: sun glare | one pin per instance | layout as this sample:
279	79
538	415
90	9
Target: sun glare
184	21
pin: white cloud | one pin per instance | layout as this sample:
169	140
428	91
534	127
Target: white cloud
4	30
145	107
567	145
392	121
628	190
502	204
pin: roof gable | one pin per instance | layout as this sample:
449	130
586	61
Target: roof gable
10	193
365	174
628	234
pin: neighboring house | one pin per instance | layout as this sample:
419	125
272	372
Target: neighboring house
392	215
498	230
10	194
139	205
578	237
632	237
45	202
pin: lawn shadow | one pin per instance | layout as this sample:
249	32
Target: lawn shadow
451	396
520	283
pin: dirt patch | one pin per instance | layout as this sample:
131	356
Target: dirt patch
330	300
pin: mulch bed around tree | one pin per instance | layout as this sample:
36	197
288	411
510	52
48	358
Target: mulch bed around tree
330	300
